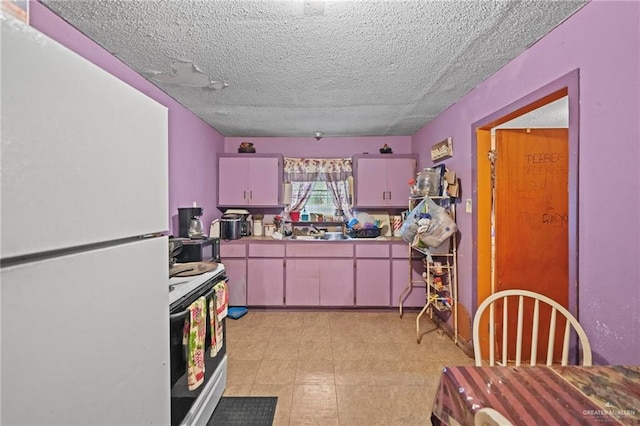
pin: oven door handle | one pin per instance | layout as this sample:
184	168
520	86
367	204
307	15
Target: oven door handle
182	314
179	316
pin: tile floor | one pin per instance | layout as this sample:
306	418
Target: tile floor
339	367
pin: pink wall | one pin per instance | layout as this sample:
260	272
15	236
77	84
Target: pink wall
325	147
193	144
601	40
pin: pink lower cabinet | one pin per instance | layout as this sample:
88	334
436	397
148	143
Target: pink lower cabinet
265	275
319	282
234	257
319	274
237	272
414	297
303	282
373	275
336	282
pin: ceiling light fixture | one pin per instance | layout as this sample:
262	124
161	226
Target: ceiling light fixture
318	135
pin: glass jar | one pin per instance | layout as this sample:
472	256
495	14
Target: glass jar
428	182
257	227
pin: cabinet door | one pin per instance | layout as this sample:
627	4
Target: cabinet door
265	282
336	282
399	172
400	280
373	282
237	272
264	181
303	282
371	182
233	181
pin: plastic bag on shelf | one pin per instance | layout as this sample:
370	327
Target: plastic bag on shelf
432	231
409	228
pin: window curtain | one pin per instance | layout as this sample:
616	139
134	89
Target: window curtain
300	193
304	172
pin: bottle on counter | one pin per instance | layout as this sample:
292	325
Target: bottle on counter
304	216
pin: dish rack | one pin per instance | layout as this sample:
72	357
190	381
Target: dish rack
364	232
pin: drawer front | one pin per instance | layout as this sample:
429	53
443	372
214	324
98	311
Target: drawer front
372	250
232	250
266	250
320	249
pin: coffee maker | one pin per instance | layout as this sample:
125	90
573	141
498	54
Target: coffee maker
186	215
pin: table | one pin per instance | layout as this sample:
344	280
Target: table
556	395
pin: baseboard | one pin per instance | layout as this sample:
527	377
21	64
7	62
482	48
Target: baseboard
465	345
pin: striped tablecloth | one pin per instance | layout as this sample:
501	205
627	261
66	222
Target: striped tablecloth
571	395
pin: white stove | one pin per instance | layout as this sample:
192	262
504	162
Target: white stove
193	407
180	287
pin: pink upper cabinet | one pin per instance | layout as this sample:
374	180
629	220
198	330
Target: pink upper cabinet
249	180
382	180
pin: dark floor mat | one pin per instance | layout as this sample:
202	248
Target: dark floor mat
244	411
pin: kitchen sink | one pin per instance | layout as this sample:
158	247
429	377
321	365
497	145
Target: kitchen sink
304	237
335	236
327	236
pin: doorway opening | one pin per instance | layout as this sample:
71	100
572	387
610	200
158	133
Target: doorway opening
485	279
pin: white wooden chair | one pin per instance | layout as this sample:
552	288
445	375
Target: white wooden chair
489	417
519	296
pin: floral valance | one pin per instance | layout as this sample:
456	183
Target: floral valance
317	169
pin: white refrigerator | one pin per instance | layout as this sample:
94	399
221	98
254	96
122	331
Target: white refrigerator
84	198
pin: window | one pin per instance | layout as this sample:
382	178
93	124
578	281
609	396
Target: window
321	200
319	185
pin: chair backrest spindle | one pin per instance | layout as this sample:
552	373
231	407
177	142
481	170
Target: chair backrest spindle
534	332
519	331
552	337
505	328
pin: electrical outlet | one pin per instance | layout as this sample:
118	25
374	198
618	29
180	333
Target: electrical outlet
468	206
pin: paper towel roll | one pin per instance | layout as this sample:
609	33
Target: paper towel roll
286	194
397	225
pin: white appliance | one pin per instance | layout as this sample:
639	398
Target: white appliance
83	275
195	407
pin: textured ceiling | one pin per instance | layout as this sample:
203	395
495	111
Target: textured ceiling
290	68
553	115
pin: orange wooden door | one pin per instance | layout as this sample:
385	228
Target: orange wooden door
531	222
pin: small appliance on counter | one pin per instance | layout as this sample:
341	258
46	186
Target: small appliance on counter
203	250
189	222
231	226
245	223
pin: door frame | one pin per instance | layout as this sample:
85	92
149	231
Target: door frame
567	85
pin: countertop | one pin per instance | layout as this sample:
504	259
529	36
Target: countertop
352	240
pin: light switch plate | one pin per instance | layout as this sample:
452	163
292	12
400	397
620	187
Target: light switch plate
468	206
